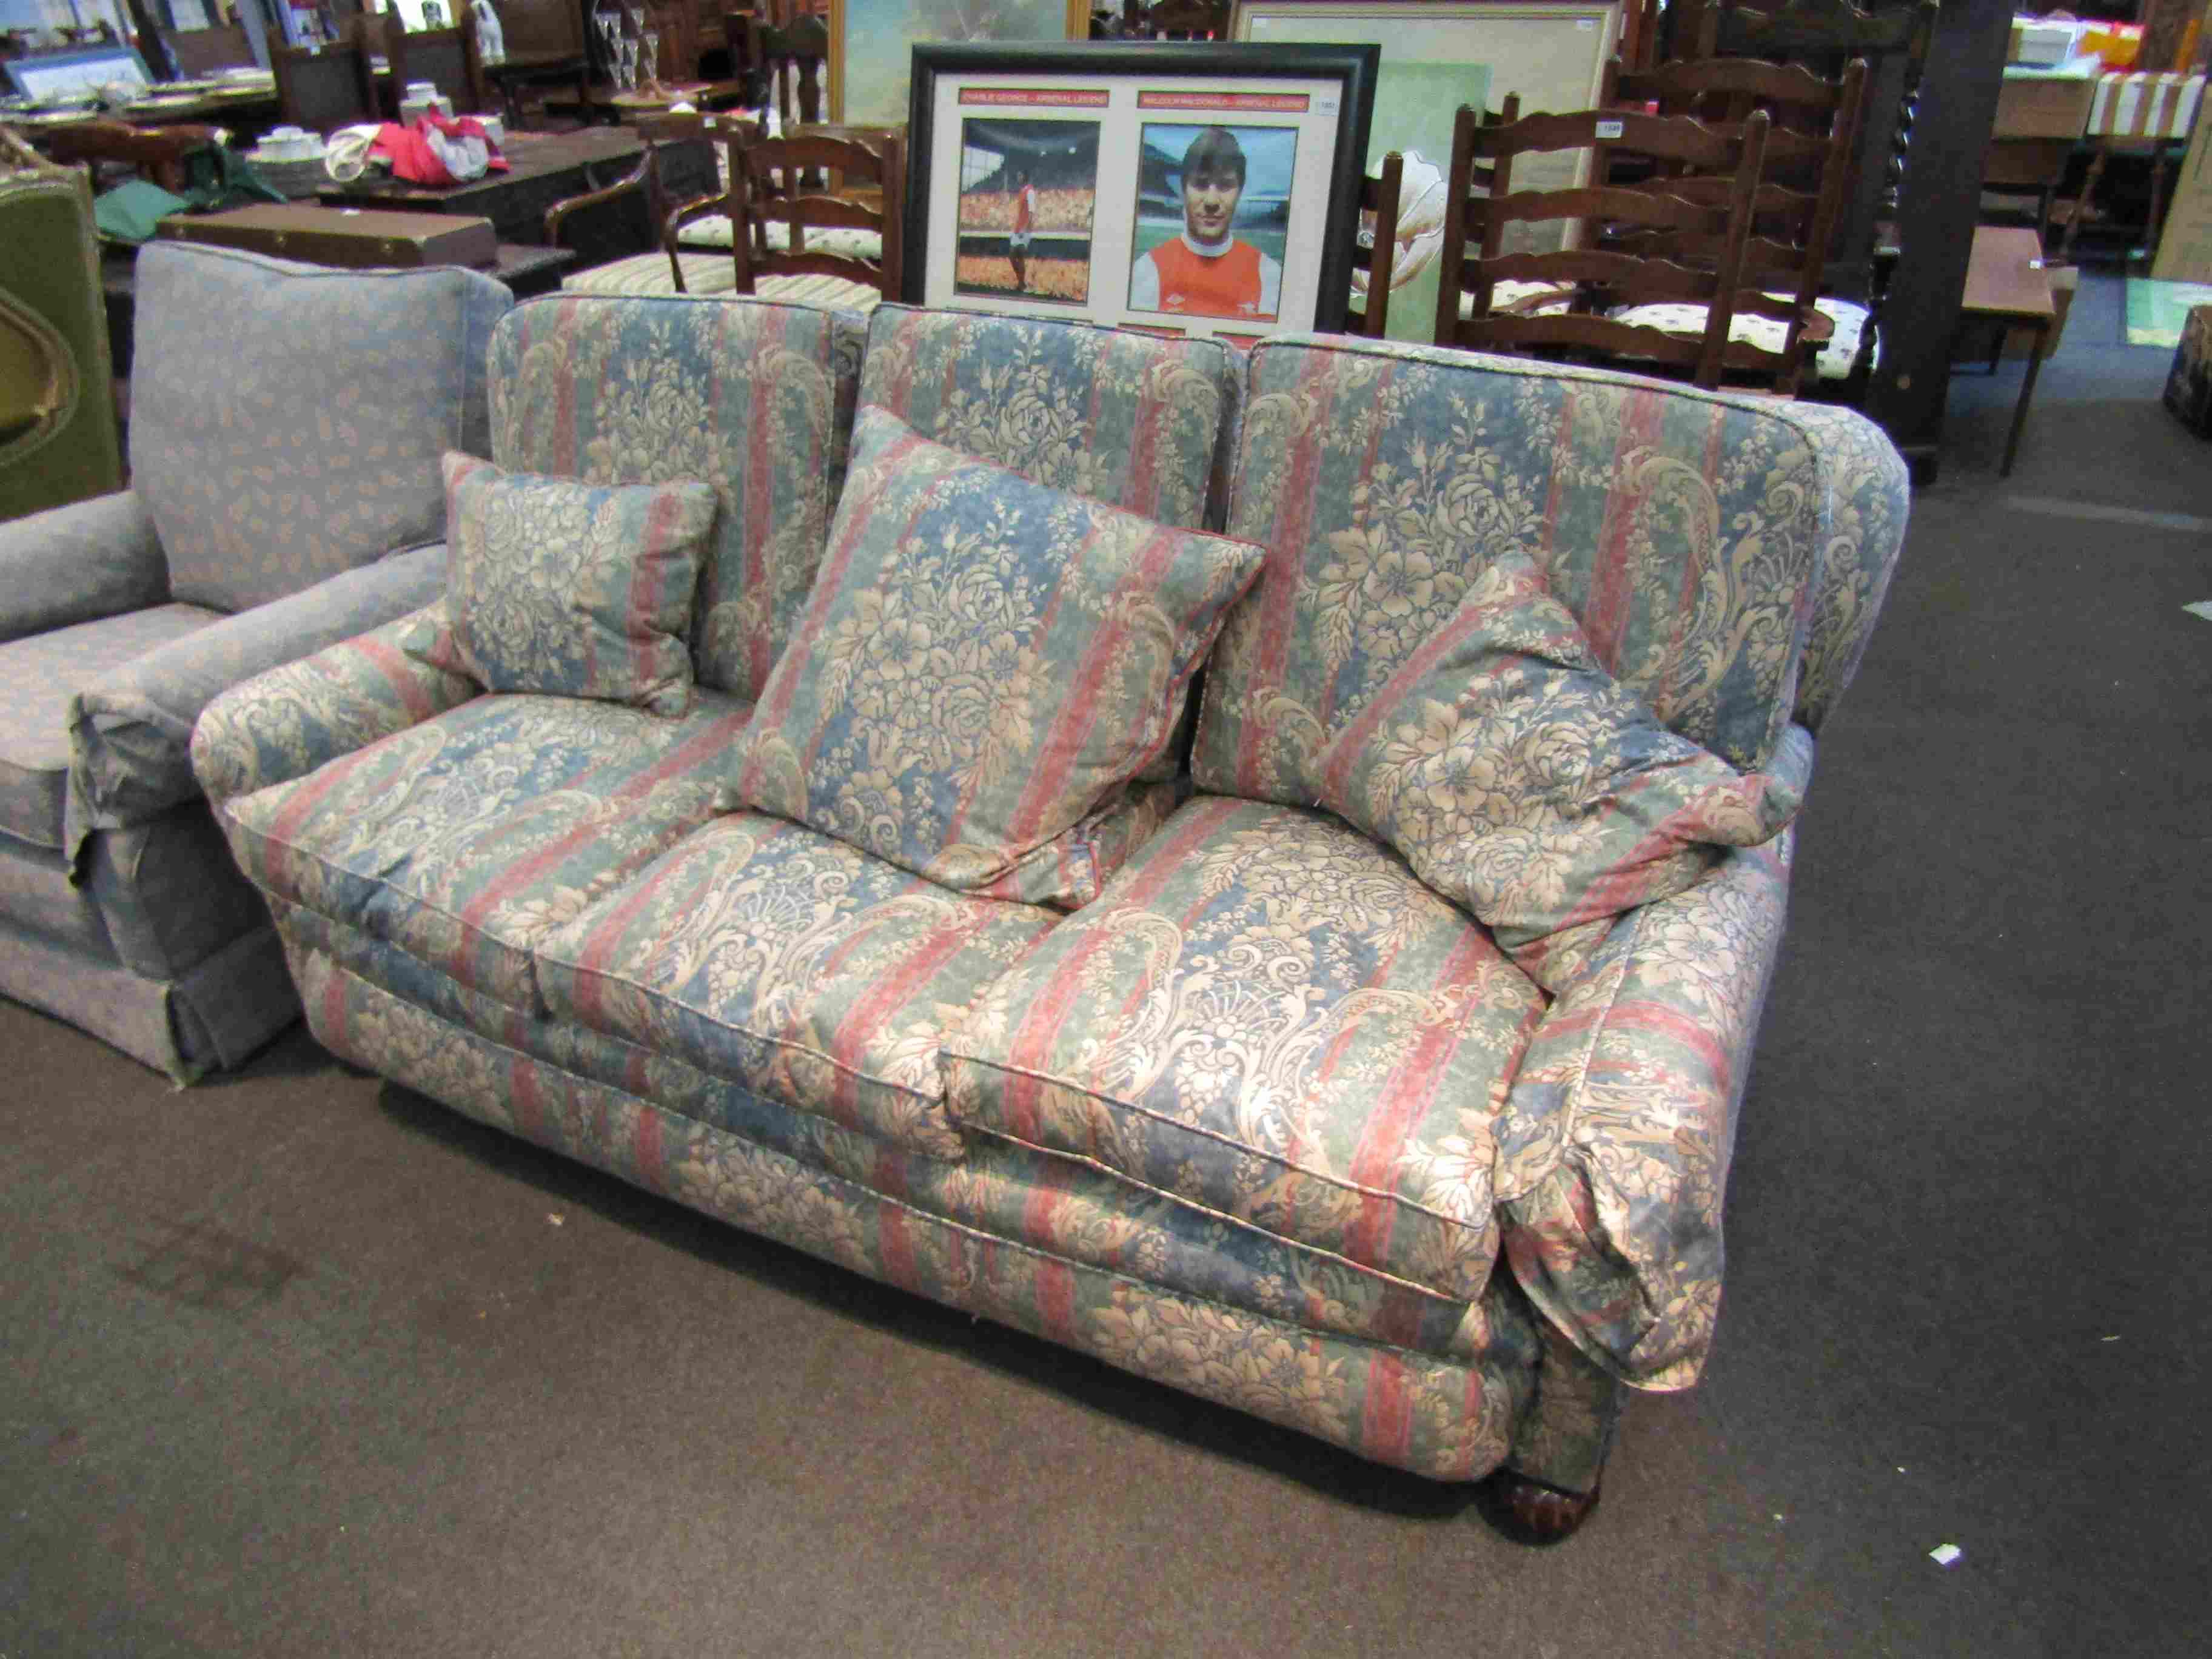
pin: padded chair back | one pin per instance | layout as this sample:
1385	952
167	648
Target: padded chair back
287	419
1477	228
203	51
322	88
757	398
1709	543
768	184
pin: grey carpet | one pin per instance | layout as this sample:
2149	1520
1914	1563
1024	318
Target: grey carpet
298	1363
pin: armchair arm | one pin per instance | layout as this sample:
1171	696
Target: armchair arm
638	178
288	722
131	730
1623	1117
71	564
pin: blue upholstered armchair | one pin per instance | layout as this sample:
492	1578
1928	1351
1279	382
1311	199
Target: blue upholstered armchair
287	425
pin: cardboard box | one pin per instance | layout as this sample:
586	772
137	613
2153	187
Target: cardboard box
2041	44
2189	382
2046	103
2185	250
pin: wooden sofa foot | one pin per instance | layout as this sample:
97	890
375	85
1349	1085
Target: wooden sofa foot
1529	1512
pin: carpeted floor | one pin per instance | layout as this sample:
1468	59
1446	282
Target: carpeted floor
301	1363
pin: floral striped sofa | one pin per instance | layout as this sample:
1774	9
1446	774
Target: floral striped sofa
1218	1090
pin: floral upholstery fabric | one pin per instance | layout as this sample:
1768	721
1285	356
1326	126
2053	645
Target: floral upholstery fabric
1449	1418
38	677
1685	531
573	589
795	965
77	563
1267	1016
285	723
1524	783
468	839
1612	1207
983	661
747	396
1133	420
286	420
131	728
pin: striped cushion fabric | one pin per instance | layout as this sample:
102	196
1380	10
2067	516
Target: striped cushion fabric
715	231
710	275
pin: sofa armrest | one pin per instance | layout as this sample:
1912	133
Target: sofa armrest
72	564
288	722
1622	1118
131	730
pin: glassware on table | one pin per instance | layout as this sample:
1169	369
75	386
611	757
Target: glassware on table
651	39
626	70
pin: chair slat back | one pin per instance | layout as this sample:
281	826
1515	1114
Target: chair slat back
772	181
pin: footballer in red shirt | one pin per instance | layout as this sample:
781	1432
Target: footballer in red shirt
1205	271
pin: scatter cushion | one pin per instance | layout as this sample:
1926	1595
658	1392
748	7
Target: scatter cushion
570	589
1524	783
983	661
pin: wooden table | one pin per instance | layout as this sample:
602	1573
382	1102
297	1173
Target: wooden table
544	167
2007	284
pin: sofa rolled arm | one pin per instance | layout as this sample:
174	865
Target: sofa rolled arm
77	564
1623	1119
288	722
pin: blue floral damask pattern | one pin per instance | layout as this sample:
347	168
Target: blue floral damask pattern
286	421
983	663
571	589
468	839
746	397
1685	533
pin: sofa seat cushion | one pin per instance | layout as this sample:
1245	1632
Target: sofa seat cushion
1267	1016
468	838
40	676
808	971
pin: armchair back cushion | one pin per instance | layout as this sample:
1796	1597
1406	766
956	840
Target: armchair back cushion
754	398
287	421
1687	532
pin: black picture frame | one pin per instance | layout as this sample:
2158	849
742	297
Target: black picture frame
1157	65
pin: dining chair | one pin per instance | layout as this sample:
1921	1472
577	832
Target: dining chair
1374	248
204	51
1545	236
325	87
450	59
607	228
824	257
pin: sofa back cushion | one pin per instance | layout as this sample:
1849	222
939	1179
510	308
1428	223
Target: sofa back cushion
287	421
1684	530
1134	420
752	396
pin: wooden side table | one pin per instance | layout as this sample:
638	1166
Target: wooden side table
2007	284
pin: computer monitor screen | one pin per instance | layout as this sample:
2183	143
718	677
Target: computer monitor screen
51	76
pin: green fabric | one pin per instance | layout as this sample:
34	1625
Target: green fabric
215	178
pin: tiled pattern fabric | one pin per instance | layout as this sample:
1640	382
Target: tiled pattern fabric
131	728
1613	1206
1524	783
1685	532
743	395
1833	358
287	722
789	962
1134	420
1446	1418
39	676
704	274
286	421
573	589
77	564
984	660
468	839
1053	1203
1268	1016
714	230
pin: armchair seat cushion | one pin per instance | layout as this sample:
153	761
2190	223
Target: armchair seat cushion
467	839
810	972
40	676
1268	1016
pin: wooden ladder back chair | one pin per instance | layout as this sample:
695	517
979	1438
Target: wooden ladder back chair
1799	203
449	59
203	51
606	227
1376	251
325	87
1598	279
773	180
795	57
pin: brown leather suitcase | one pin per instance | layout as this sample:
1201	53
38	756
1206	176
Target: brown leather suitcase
351	238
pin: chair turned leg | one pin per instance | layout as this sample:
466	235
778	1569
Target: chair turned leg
1529	1512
